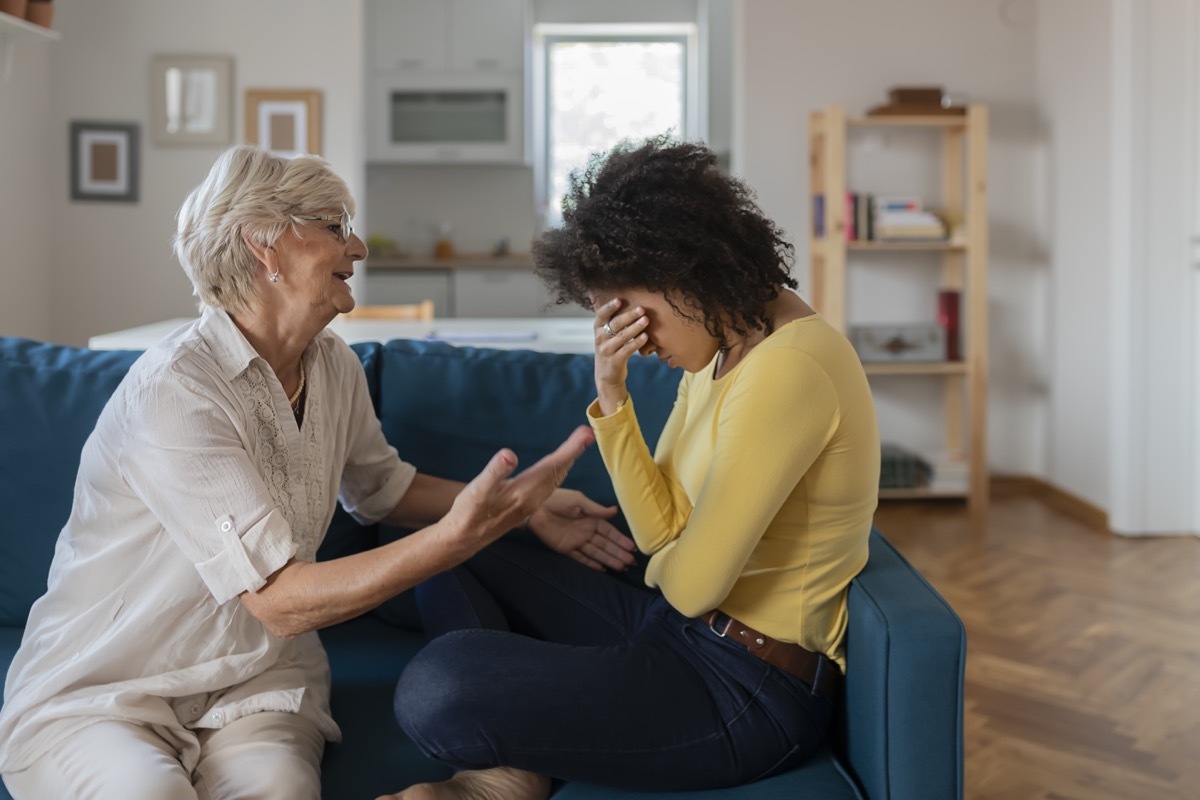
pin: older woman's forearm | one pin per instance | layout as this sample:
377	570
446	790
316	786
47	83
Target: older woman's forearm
427	500
304	596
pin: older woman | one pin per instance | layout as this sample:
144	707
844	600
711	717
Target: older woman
756	508
174	653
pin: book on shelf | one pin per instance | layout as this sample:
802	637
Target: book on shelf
869	218
948	318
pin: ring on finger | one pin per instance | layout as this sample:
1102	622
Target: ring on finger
608	329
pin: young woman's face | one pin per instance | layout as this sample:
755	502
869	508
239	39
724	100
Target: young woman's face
679	341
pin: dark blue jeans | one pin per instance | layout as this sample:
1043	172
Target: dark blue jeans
545	665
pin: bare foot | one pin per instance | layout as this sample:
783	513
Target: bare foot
498	783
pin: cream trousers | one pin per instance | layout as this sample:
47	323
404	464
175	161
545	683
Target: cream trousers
261	756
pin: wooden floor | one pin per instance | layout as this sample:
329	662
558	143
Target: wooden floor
1083	665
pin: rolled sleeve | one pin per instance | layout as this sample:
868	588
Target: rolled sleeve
246	559
184	459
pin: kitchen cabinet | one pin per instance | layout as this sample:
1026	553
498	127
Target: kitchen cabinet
505	293
441	35
446	81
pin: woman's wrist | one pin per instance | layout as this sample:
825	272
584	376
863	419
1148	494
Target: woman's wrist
611	399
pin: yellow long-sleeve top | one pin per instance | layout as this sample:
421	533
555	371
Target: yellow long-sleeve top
760	495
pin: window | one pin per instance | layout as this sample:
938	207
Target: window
598	84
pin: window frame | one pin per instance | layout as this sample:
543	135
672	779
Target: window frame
546	35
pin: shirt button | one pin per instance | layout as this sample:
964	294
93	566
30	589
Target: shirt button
196	708
227	526
218	717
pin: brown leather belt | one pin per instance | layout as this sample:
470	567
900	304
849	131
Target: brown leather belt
815	669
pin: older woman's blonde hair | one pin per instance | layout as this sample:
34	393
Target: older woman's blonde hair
248	193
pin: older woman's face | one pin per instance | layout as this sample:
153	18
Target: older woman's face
317	263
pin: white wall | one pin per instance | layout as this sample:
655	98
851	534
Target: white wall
25	216
794	56
112	261
1074	97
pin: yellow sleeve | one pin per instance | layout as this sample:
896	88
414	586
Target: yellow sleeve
773	425
654	503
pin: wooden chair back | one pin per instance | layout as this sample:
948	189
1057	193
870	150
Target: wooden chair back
422	311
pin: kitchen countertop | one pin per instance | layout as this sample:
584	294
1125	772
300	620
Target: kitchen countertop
548	334
521	261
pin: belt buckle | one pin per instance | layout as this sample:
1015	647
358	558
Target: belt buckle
723	631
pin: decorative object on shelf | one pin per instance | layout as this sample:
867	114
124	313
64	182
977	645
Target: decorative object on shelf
381	246
917	101
898	343
443	243
40	12
903	469
948	304
285	121
14	8
104	161
191	99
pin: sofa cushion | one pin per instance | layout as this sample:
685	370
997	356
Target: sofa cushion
374	757
822	777
51	399
449	409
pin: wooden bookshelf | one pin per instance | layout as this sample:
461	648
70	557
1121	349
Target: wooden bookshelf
962	261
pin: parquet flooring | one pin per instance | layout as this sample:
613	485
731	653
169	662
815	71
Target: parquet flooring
1083	650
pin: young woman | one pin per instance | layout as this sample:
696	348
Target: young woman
756	509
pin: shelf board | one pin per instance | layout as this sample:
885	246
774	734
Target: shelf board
923	493
918	121
13	30
955	246
918	368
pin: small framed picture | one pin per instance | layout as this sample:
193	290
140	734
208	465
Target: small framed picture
286	122
104	161
191	100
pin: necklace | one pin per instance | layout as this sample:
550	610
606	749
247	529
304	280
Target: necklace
295	398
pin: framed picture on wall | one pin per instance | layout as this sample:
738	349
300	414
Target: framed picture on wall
191	100
285	121
104	161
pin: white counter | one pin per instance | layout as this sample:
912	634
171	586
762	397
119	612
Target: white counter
551	335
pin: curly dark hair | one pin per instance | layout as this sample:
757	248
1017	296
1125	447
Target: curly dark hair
662	216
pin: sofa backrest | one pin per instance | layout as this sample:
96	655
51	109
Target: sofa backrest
448	409
50	398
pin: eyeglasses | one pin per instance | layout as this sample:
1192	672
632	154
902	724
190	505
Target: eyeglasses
343	219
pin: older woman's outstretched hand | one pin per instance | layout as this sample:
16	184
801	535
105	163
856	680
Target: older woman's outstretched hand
495	502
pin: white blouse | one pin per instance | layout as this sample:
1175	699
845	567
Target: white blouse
195	486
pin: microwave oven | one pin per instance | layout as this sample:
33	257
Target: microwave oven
446	117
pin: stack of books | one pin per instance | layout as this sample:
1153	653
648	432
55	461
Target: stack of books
902	219
885	219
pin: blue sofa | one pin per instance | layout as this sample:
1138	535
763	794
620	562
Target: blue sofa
898	736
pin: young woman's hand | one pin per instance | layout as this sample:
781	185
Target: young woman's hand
576	526
619	334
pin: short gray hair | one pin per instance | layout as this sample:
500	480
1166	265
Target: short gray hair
249	192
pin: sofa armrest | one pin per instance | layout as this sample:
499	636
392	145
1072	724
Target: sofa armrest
906	653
